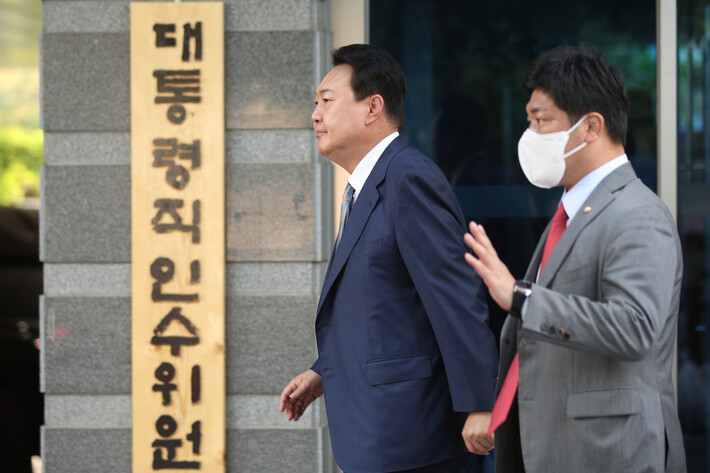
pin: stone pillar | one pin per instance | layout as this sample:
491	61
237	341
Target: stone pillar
279	232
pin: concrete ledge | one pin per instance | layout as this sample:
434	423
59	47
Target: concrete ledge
262	15
88	16
63	411
249	279
241	146
87	280
87	412
87	148
274	279
262	412
85	16
270	146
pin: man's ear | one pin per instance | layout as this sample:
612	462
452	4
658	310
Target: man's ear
375	108
594	126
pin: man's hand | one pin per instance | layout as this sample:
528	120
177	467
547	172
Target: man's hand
299	393
494	273
475	434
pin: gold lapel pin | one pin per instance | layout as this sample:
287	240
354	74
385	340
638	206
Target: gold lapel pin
587	210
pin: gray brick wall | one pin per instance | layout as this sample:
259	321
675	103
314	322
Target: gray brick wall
279	229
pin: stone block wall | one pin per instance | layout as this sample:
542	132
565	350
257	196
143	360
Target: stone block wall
279	232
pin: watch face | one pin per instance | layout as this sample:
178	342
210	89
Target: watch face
523	287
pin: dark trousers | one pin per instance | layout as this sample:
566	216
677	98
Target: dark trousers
462	464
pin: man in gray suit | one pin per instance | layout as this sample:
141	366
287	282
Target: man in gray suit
591	329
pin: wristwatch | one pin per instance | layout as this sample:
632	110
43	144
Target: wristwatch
521	291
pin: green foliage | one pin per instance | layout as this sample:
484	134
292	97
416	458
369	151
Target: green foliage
20	158
20	138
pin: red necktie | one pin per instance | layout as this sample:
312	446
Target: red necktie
510	385
557	228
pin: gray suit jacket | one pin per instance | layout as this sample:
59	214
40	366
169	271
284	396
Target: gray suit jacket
596	345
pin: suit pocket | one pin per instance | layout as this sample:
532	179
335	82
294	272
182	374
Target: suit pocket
366	248
603	403
395	370
578	272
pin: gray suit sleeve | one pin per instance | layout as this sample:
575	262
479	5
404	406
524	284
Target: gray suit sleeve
614	297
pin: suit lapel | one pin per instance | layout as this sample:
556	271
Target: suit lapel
359	215
597	201
531	273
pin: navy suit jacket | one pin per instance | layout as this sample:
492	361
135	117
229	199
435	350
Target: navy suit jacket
404	347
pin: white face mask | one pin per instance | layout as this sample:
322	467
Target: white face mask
542	156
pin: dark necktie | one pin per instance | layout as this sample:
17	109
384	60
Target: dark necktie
345	207
510	385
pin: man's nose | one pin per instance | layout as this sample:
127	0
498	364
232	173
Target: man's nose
316	115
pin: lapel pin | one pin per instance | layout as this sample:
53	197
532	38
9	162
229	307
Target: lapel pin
587	210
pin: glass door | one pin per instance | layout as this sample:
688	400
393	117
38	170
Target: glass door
694	227
465	109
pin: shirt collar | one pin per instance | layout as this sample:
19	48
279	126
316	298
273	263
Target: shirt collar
364	168
574	198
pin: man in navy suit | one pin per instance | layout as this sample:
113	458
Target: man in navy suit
406	360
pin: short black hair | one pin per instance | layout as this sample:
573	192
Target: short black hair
580	81
375	72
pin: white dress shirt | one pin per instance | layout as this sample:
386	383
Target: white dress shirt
364	167
575	197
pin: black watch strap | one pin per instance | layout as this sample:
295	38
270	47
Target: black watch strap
521	291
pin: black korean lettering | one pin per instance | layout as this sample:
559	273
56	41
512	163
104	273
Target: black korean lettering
180	86
166	426
191	152
163	270
194	272
169	207
176	114
192	33
177	87
165	149
175	341
195	437
165	154
161	38
165	373
196	384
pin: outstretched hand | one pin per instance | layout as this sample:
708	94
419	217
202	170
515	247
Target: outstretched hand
490	268
299	393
